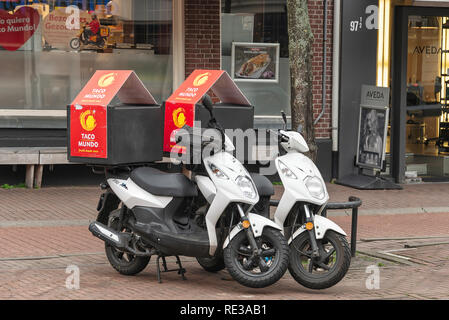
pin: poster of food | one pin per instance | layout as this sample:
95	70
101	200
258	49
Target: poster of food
255	62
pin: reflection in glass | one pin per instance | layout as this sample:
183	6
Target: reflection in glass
259	21
46	72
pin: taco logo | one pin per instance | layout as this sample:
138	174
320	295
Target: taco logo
179	117
88	121
201	79
106	80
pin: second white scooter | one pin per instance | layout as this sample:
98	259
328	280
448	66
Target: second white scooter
319	252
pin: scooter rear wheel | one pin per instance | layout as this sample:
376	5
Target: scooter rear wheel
213	264
249	270
125	263
75	43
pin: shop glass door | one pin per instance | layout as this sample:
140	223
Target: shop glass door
427	139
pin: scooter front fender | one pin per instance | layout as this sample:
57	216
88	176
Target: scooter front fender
322	225
258	223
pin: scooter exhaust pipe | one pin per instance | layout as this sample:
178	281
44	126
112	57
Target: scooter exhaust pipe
110	236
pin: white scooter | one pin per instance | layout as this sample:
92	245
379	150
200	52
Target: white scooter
159	216
319	252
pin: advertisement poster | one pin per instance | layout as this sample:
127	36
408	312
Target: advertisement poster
176	117
89	110
372	136
88	113
255	62
62	25
180	106
88	131
17	28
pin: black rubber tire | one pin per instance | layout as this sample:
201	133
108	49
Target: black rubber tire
213	264
102	43
136	263
75	43
135	266
275	273
331	278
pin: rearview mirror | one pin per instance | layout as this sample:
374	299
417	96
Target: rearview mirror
284	117
207	102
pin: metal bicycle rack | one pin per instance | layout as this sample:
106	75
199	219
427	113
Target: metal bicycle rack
353	203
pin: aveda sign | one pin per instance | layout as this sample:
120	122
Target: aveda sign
426	50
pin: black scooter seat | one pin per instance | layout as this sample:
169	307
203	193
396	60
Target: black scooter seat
263	185
161	183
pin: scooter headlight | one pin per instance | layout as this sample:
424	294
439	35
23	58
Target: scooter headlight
217	172
286	171
315	187
246	186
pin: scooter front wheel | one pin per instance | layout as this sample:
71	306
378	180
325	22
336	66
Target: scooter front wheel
324	271
257	270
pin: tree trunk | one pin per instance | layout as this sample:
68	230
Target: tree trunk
300	54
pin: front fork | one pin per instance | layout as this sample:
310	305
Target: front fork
249	232
310	227
256	251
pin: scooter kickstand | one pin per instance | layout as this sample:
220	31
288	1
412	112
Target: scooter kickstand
158	269
181	270
164	264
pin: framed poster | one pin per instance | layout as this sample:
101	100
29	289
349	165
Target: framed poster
255	62
372	137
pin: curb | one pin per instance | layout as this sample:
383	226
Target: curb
391	211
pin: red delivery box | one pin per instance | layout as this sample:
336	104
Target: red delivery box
183	107
107	131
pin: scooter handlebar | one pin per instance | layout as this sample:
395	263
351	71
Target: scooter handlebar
281	137
187	131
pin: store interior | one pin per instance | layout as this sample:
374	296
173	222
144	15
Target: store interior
427	138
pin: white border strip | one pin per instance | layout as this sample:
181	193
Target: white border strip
31	113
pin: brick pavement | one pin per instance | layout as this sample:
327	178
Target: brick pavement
45	279
36	251
56	203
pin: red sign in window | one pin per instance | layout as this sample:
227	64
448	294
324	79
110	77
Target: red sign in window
17	28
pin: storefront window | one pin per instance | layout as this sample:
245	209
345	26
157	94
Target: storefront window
45	65
427	126
255	52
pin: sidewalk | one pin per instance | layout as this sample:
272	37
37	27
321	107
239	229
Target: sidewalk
414	198
43	231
